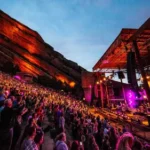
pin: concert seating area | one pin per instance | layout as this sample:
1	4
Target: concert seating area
25	107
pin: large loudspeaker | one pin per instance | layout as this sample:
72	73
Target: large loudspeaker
131	74
148	118
121	75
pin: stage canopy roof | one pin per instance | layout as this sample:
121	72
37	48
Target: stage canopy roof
115	56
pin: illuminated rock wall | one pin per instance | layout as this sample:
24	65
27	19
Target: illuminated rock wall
27	49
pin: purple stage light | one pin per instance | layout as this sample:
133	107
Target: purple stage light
17	77
131	98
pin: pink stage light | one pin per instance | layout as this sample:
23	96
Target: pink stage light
131	98
17	77
144	96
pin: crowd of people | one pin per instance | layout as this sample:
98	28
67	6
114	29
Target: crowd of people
143	107
24	107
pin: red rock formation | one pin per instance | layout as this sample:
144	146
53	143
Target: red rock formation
26	48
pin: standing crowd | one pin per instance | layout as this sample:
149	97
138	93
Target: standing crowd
24	107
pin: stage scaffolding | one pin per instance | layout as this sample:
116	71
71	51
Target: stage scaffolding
115	58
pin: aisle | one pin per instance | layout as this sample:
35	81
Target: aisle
48	141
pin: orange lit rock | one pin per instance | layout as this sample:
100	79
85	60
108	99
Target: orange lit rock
26	48
72	84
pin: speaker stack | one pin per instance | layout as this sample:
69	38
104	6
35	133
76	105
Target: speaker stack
148	118
131	65
121	75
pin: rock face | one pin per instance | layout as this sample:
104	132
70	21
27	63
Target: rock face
26	48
